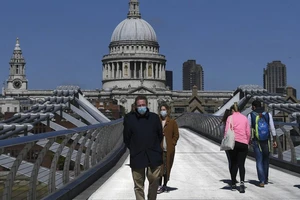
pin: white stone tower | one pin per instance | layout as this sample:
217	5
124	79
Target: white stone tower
133	58
17	81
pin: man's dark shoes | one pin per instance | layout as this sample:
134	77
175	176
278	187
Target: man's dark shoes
242	187
261	185
161	189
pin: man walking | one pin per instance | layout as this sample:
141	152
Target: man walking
142	136
261	122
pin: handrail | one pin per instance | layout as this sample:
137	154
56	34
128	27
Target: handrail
284	156
36	137
50	161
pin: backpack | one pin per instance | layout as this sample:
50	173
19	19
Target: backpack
260	125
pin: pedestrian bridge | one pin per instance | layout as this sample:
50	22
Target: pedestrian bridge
91	161
200	171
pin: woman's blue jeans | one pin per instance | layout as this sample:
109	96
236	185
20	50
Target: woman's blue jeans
261	151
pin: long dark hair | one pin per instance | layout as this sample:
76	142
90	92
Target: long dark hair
227	113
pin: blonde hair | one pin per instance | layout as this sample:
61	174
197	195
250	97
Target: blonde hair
235	107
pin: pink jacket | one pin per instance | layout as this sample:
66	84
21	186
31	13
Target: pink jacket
240	126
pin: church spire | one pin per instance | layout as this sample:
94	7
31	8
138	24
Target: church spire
17	78
17	47
17	54
134	10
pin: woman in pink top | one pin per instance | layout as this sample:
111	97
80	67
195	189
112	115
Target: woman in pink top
238	155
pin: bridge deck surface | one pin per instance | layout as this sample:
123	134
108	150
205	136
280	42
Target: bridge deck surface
200	171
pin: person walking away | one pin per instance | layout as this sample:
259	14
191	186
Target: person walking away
142	135
171	136
227	113
262	124
238	155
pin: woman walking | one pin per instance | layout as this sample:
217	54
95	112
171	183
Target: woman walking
171	135
239	123
227	113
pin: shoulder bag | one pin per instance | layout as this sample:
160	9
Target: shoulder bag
229	140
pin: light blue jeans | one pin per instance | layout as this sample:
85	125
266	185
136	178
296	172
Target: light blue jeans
261	151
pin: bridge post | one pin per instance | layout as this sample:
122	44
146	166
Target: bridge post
35	170
7	193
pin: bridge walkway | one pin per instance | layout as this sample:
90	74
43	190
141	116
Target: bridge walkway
200	171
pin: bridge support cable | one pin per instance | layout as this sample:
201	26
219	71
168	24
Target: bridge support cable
91	109
54	126
86	108
84	115
21	118
228	104
71	119
32	118
6	128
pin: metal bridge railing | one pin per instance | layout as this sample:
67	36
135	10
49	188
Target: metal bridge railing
32	167
286	155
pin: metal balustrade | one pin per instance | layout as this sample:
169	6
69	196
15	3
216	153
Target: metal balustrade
35	166
286	155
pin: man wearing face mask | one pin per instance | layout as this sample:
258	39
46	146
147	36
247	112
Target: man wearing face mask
171	135
142	135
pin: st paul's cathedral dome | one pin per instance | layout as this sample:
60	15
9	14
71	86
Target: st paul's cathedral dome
134	59
133	29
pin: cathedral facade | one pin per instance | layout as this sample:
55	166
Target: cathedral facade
134	66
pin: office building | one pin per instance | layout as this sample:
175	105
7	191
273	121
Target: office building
274	76
192	75
169	79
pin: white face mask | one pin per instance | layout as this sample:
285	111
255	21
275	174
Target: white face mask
163	113
142	110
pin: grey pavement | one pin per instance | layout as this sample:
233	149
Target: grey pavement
200	171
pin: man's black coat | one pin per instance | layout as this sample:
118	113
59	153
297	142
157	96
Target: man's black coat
142	136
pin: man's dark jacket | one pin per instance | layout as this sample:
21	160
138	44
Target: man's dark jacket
142	136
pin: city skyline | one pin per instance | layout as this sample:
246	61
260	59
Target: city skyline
58	37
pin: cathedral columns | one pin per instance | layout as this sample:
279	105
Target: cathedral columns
134	73
141	70
103	72
160	70
147	70
106	70
163	72
118	70
152	70
156	71
110	70
113	70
